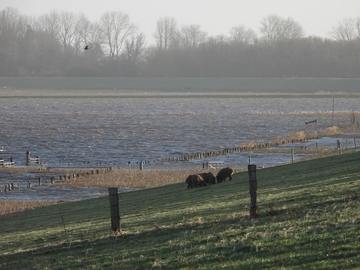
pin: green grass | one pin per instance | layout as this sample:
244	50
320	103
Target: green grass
313	223
231	85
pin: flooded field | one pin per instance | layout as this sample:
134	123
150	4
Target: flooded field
115	132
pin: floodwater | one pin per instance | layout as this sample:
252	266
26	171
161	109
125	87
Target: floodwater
111	132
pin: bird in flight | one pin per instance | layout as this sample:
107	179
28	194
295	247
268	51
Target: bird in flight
86	47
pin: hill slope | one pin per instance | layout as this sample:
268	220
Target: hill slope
308	211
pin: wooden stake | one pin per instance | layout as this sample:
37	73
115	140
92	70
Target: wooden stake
114	209
253	189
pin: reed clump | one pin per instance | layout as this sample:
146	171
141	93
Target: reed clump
330	131
337	113
301	135
247	145
298	136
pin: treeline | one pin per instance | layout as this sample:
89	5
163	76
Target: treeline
68	44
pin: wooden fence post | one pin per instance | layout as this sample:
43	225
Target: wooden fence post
114	209
339	146
27	157
253	189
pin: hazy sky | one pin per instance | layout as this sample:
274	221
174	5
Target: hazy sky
317	17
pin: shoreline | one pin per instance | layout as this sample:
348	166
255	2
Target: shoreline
136	93
122	179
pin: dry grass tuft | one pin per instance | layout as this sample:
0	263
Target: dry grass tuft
298	136
303	135
273	211
247	144
330	131
291	212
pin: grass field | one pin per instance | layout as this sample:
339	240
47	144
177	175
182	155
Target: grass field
308	219
185	85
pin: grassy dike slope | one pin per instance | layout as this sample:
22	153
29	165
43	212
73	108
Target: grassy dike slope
309	219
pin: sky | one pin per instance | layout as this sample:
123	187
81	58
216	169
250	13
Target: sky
216	17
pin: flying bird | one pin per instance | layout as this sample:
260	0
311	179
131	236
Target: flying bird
86	47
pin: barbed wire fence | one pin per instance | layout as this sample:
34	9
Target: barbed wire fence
97	217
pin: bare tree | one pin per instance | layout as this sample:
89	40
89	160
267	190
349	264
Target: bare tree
166	33
116	28
134	47
48	23
41	53
274	28
239	34
347	29
88	35
12	24
91	37
82	31
12	28
68	28
192	35
218	40
357	26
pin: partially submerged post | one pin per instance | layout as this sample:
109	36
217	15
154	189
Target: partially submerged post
114	209
27	157
311	122
253	189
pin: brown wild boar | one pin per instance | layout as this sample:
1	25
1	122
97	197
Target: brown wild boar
195	180
224	173
209	178
189	181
